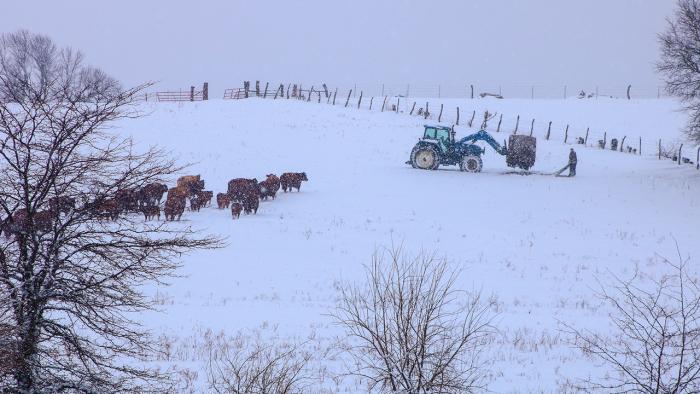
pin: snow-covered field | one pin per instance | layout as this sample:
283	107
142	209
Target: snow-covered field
534	245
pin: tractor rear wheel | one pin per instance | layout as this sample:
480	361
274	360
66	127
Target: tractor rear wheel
425	158
471	163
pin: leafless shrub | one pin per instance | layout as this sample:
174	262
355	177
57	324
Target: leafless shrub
71	282
410	330
259	368
655	345
680	56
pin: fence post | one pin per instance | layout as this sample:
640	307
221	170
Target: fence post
498	129
659	148
266	85
697	160
471	121
640	146
549	129
246	88
457	123
585	140
605	139
566	134
412	108
440	116
257	88
472	88
348	99
426	110
622	144
398	104
308	99
300	95
532	127
334	94
628	92
517	123
319	96
680	154
384	104
371	99
325	90
359	102
205	91
191	93
382	89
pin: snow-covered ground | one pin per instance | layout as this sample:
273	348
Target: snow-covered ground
534	245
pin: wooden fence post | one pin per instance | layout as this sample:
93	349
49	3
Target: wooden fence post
628	91
412	108
359	102
266	85
500	119
472	88
325	90
371	99
319	96
697	160
532	127
205	91
440	116
471	121
383	103
426	110
640	146
517	123
457	123
659	148
308	99
246	88
257	88
566	134
680	154
622	144
348	99
398	103
605	139
585	140
191	93
300	95
334	93
549	129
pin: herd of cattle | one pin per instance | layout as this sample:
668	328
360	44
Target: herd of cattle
243	195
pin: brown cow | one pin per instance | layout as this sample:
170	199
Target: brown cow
174	207
269	187
236	209
151	212
240	187
251	202
20	222
108	209
152	194
127	199
205	197
61	204
222	200
196	203
290	180
192	183
179	193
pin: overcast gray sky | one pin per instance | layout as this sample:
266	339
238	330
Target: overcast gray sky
508	42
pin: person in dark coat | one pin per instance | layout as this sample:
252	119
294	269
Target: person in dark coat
572	162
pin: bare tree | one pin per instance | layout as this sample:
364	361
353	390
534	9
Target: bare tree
71	282
655	345
257	368
680	61
410	330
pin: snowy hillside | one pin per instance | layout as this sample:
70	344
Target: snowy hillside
534	245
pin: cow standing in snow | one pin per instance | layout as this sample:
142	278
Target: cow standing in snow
290	180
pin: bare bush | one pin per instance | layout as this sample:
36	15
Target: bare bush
655	343
259	368
70	281
409	329
680	60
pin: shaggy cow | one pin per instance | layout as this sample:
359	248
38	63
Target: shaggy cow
290	180
239	188
178	193
192	183
205	197
269	187
222	200
236	209
152	194
251	202
127	199
174	207
108	209
151	212
61	204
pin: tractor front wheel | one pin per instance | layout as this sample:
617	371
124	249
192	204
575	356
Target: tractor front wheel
425	158
471	164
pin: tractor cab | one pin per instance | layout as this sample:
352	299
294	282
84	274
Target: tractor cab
444	136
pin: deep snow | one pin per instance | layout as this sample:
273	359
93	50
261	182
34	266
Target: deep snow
534	245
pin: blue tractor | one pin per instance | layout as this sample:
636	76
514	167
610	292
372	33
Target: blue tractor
438	147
